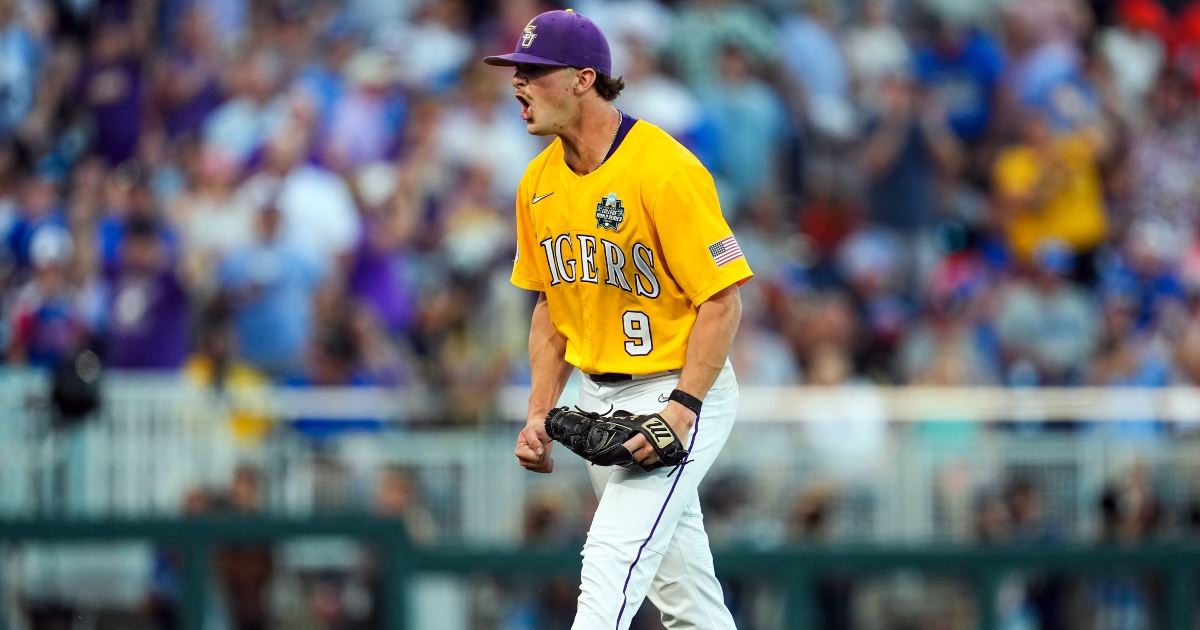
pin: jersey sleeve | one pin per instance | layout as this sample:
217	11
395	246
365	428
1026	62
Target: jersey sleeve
525	272
699	248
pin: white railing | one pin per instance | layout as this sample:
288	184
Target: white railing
956	404
893	463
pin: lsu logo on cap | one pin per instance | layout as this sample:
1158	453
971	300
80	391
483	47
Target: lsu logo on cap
610	213
528	36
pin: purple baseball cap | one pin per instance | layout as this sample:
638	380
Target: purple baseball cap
560	38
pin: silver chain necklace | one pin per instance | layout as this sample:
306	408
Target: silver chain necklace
620	120
610	143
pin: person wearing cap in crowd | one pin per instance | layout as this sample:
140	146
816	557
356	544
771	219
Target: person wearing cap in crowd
620	232
46	322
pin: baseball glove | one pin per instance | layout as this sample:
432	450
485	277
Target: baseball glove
600	439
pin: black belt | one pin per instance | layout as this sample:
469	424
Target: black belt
610	377
617	377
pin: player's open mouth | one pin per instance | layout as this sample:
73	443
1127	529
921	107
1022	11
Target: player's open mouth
525	112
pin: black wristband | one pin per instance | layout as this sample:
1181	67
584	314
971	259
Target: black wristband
687	400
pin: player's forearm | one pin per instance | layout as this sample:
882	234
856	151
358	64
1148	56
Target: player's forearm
708	345
548	368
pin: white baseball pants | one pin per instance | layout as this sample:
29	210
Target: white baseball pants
647	537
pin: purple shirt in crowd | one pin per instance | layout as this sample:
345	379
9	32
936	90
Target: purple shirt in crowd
113	93
147	321
375	280
188	117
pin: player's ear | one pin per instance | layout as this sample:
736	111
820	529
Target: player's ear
585	78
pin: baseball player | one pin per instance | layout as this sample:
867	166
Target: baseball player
620	232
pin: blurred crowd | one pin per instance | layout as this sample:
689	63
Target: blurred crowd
310	192
318	192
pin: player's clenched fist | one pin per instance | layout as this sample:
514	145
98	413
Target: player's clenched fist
533	447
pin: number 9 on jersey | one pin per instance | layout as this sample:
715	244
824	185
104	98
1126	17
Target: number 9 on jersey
637	328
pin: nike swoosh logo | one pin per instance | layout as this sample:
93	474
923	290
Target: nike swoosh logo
537	199
662	398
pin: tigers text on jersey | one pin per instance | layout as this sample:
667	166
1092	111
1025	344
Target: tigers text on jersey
625	254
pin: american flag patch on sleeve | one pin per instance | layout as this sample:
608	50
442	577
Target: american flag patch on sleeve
725	251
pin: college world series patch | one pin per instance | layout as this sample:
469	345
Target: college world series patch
725	251
610	213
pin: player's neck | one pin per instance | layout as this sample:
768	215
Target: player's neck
586	143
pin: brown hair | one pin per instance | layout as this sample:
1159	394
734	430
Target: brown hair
609	88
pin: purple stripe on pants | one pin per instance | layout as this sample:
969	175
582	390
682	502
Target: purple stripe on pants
629	575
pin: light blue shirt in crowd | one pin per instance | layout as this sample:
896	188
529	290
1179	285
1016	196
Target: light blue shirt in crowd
275	284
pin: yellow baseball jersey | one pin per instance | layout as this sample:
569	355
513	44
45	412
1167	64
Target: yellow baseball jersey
625	254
